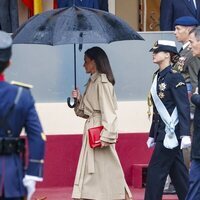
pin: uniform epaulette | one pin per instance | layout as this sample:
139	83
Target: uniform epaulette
21	84
104	78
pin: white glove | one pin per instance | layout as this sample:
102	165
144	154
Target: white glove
30	186
150	142
185	142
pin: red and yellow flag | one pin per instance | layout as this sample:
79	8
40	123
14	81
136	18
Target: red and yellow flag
34	6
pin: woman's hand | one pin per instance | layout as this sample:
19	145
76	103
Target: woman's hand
76	94
104	144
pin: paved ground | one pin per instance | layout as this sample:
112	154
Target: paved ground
65	194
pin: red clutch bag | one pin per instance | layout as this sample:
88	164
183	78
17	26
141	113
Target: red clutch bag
94	136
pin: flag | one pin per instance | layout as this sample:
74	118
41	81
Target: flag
28	3
37	6
55	4
34	6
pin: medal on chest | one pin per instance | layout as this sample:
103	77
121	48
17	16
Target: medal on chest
162	87
180	63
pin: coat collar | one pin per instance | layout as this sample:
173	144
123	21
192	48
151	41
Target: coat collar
94	76
164	71
186	45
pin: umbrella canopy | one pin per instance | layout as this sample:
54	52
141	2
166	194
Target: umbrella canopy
74	25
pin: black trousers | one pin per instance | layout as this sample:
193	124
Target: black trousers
9	20
163	162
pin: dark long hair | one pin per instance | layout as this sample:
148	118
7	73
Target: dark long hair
3	66
102	63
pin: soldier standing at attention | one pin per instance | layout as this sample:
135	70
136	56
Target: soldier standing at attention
170	127
17	111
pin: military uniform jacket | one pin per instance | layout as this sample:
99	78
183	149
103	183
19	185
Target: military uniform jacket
195	152
171	89
189	66
23	115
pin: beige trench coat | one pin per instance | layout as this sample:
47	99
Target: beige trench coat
99	173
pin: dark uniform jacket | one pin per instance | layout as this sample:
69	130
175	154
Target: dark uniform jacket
22	115
170	10
97	4
195	153
171	89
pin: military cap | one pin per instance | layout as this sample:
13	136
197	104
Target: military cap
5	46
164	45
186	21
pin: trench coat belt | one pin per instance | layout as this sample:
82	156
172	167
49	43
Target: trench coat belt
81	164
89	152
91	168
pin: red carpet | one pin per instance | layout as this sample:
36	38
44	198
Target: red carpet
64	193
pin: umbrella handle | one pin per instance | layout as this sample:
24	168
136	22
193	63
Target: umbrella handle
69	103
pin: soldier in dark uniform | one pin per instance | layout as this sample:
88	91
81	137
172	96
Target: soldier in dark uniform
169	131
17	111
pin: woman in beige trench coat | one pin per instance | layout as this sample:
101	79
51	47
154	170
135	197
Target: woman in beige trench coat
99	174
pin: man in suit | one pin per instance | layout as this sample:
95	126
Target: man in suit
194	180
97	4
169	131
170	10
17	111
9	20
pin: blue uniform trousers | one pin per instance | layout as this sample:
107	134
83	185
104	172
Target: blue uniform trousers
163	162
194	189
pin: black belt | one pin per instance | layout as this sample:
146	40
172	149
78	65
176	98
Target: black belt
12	146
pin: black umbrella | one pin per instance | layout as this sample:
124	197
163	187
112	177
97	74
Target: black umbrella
74	25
